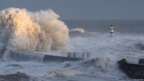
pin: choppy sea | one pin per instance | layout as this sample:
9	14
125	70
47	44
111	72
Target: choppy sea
126	42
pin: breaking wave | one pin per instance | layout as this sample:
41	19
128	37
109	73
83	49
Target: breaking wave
23	30
28	32
104	51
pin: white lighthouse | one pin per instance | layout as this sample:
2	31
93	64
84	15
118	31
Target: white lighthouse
112	30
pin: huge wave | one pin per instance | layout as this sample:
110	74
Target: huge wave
23	30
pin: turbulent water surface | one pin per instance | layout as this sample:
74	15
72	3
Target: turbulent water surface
25	37
105	49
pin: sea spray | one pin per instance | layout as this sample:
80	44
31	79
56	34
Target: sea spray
105	53
33	31
53	27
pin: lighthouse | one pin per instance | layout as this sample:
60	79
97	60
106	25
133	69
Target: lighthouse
112	30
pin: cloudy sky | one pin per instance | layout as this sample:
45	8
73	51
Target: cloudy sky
84	9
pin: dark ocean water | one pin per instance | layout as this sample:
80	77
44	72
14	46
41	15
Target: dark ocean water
122	26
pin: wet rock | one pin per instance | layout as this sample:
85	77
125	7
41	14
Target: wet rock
15	77
139	46
89	62
2	50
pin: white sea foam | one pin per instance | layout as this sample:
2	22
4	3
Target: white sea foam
105	52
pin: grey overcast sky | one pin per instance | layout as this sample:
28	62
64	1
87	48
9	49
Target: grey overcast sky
84	9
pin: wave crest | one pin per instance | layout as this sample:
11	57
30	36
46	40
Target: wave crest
33	31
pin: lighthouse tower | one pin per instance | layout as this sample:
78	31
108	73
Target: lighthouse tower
112	30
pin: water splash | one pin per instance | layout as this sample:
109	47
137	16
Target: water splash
33	31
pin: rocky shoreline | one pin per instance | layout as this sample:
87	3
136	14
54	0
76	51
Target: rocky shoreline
15	77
